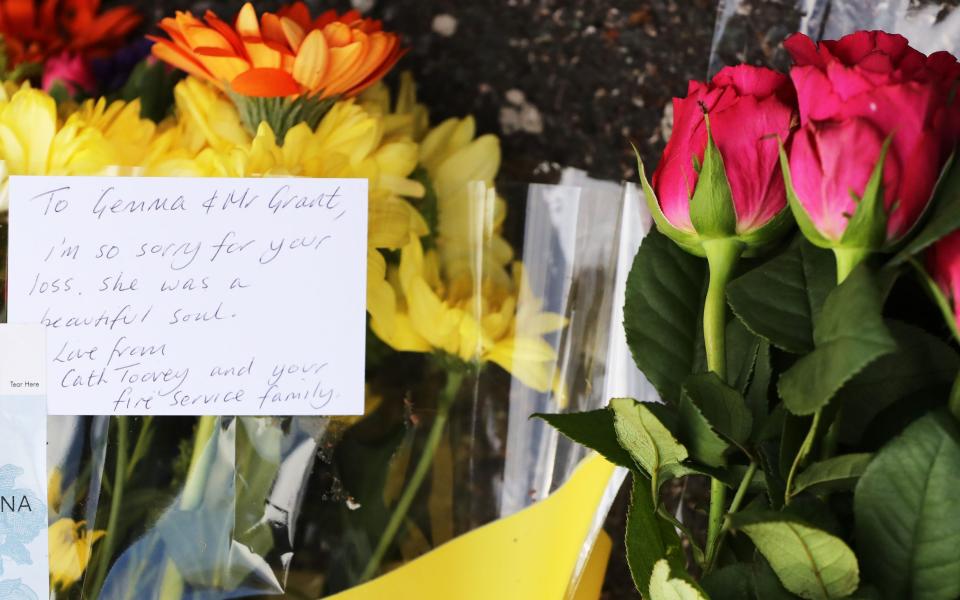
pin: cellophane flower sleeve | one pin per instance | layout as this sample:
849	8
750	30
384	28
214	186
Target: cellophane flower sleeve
509	310
752	30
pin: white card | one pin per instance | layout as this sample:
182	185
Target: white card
190	296
24	565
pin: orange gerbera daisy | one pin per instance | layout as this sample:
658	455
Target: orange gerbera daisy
283	54
33	30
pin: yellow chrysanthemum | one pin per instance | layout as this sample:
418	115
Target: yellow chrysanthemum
70	547
137	143
54	492
412	310
403	117
348	142
469	218
33	142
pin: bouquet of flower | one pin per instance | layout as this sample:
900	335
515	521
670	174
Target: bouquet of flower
808	376
172	507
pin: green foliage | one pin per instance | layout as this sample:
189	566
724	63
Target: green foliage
828	433
833	474
152	83
908	533
593	429
809	562
650	444
663	586
779	299
848	335
649	538
662	312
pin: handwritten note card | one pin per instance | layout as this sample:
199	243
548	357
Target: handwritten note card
181	296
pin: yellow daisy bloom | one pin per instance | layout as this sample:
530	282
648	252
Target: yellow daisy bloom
70	547
34	142
402	117
348	142
412	310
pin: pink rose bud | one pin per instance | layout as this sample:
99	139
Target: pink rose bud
943	264
748	111
864	94
71	71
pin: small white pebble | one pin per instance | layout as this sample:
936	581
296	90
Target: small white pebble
515	96
530	119
445	25
509	120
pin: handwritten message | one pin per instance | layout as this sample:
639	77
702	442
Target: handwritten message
183	296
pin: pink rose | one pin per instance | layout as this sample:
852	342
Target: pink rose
71	71
943	263
749	108
853	94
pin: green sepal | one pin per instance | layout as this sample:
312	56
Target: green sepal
867	227
806	225
686	240
711	208
281	113
936	294
940	217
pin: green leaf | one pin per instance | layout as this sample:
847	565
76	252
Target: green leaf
849	334
779	300
708	410
905	506
731	582
593	429
741	350
765	584
921	363
152	84
694	430
757	395
664	587
944	213
809	562
724	407
662	312
650	444
648	538
711	207
867	228
833	474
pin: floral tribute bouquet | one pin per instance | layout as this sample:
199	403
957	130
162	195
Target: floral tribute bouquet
807	366
213	507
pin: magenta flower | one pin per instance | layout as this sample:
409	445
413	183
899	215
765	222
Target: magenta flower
750	110
854	94
71	71
943	263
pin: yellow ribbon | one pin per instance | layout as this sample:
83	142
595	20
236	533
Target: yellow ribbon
530	555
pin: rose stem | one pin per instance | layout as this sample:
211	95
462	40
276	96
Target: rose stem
722	255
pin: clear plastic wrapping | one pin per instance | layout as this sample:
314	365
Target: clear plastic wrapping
223	507
752	30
